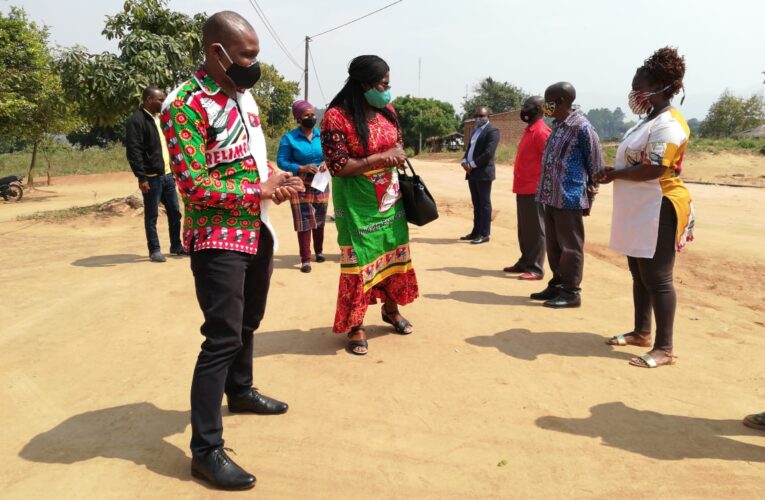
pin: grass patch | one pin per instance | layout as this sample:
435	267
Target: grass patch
704	145
66	160
62	215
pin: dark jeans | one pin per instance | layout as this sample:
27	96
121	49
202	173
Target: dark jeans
652	282
564	234
531	234
304	240
161	189
232	288
480	194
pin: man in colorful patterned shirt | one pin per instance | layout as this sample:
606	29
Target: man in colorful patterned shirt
218	156
571	158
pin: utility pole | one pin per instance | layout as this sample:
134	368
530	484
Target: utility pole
305	72
309	38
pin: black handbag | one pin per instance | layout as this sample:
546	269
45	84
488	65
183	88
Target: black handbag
419	205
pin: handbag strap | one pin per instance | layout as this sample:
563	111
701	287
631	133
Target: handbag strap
408	164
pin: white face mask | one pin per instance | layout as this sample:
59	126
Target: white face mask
481	121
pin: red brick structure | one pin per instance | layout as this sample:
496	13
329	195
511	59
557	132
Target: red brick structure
509	124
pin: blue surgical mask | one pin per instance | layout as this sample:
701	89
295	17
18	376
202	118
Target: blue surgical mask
377	99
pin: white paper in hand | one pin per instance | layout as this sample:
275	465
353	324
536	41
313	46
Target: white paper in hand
321	180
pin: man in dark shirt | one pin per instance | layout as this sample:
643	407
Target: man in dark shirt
478	164
150	161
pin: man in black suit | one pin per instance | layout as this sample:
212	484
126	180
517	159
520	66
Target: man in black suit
478	163
150	161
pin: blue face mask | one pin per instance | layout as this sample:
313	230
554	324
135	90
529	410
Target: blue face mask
377	99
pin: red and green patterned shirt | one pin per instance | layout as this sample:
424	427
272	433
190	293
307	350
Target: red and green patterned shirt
218	156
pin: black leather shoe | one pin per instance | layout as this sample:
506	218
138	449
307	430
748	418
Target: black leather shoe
180	252
255	402
548	293
320	257
217	468
564	301
480	239
467	237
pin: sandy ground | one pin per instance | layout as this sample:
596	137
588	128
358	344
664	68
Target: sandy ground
493	396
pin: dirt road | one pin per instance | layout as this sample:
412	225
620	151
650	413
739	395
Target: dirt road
492	396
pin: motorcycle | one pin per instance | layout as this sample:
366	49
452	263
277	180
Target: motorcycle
11	188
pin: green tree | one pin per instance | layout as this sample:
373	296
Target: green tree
156	47
33	105
694	125
497	96
731	114
429	117
609	124
275	95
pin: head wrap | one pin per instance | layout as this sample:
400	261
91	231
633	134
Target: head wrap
300	107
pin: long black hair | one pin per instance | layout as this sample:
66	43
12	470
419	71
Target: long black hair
368	70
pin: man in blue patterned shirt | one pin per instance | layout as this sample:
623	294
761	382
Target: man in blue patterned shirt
571	158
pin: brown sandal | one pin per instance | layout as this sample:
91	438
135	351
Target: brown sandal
622	340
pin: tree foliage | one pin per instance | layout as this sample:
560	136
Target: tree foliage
609	124
33	104
156	47
497	96
429	117
275	95
694	124
731	114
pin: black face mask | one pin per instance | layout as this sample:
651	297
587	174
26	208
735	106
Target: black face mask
308	122
244	77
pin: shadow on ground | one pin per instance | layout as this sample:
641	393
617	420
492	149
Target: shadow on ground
313	342
435	241
482	298
524	344
110	260
472	272
134	432
659	436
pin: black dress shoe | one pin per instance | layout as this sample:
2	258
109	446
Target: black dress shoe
217	468
547	294
564	301
320	257
255	402
180	252
467	237
480	239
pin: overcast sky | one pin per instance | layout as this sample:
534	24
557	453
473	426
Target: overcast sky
594	44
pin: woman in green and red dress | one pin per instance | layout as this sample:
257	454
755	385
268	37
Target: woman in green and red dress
362	147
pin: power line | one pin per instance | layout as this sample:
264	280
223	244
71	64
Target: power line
262	15
316	74
357	19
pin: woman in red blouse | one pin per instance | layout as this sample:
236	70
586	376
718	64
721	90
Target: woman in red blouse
362	147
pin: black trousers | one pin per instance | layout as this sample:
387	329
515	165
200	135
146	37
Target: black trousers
480	194
652	282
564	234
232	288
531	234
